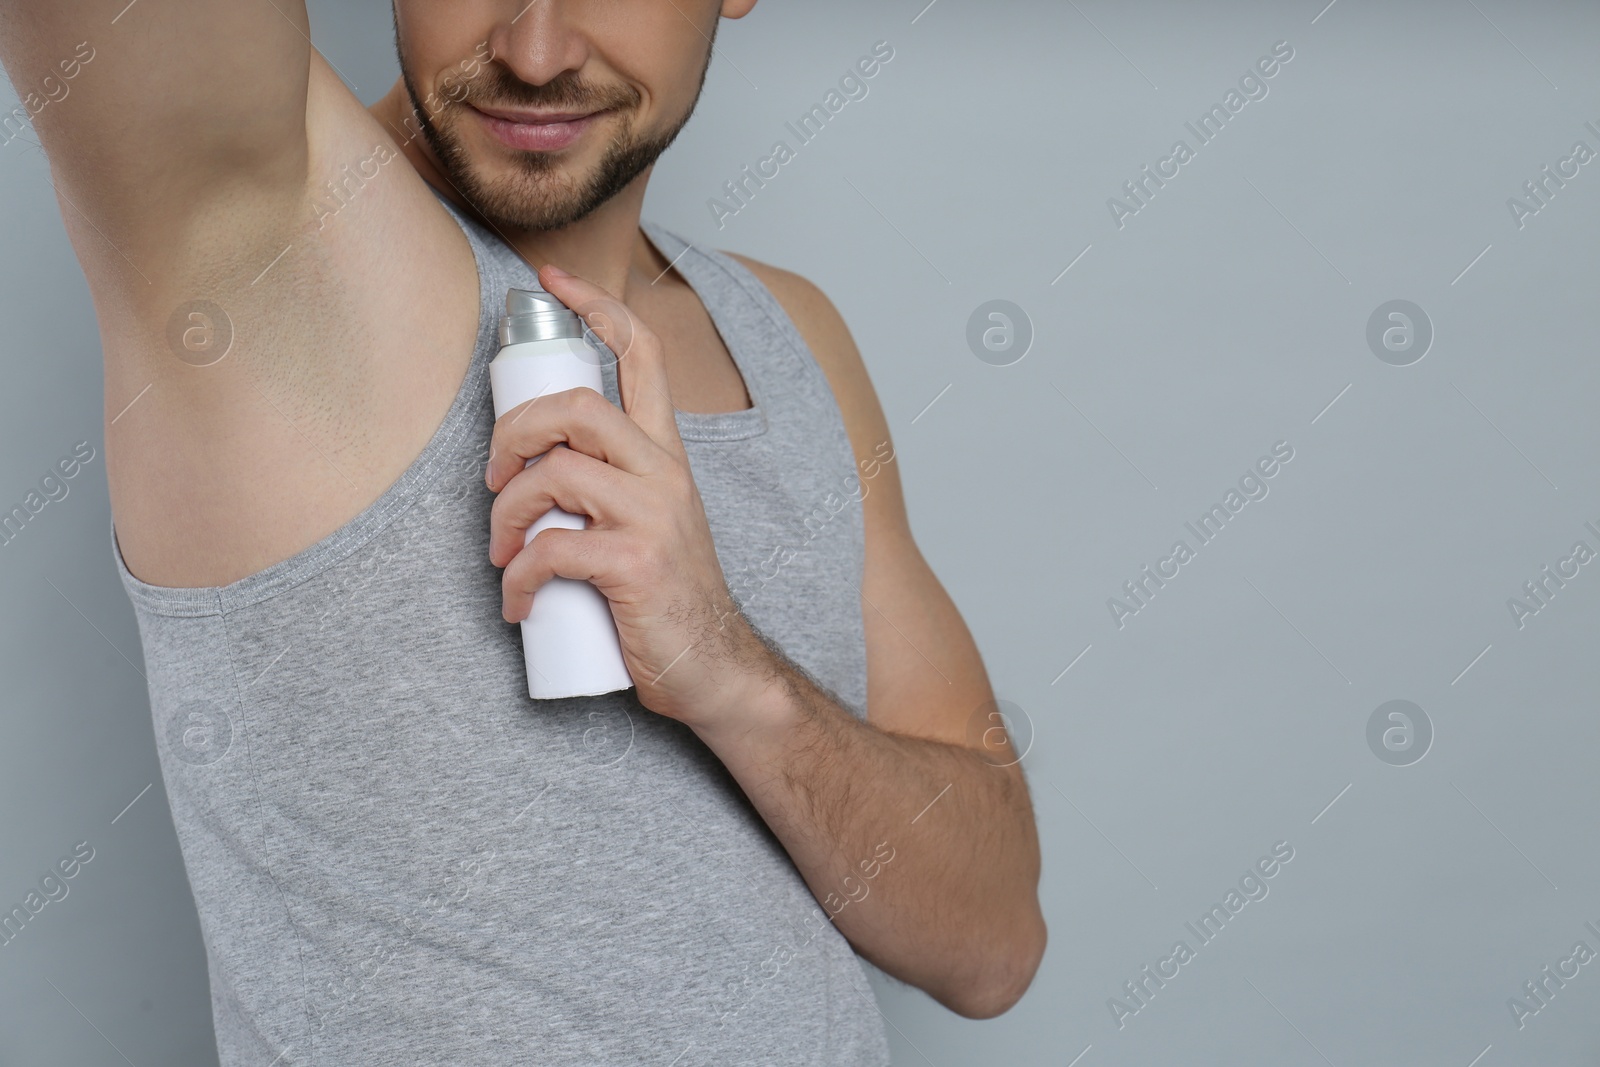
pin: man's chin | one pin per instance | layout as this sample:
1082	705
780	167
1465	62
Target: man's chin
515	198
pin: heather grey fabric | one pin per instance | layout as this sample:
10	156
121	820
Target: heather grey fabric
398	857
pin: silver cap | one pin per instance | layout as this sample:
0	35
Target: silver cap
535	315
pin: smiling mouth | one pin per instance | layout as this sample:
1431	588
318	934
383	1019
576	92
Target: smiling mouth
536	131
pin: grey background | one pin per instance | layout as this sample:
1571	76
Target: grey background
1227	315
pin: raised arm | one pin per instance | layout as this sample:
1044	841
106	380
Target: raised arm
154	115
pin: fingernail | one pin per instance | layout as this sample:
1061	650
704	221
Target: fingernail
555	271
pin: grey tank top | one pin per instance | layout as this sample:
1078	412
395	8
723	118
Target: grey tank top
399	858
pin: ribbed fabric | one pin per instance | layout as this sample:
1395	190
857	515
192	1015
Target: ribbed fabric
398	857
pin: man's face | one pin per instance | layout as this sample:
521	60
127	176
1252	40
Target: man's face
540	112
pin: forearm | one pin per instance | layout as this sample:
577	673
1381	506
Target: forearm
923	854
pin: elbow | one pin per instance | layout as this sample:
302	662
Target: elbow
1005	976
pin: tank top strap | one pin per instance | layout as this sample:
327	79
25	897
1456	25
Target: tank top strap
778	367
766	347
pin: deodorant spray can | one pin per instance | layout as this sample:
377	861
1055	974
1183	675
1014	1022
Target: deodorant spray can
569	638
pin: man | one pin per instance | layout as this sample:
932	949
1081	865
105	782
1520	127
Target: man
396	855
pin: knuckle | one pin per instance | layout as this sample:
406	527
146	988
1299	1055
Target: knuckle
584	402
642	341
510	504
508	510
514	579
639	331
497	512
532	562
680	479
547	541
595	399
556	463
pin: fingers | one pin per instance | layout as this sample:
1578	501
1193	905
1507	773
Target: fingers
580	418
586	555
569	480
641	357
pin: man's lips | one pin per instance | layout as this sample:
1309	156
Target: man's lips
535	131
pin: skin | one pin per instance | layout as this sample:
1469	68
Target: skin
217	186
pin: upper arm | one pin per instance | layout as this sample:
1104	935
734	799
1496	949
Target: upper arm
154	111
925	676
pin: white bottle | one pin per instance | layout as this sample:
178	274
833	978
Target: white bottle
569	638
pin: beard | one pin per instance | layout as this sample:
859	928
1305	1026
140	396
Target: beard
538	194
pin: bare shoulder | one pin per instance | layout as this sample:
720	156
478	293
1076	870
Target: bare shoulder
826	334
904	696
